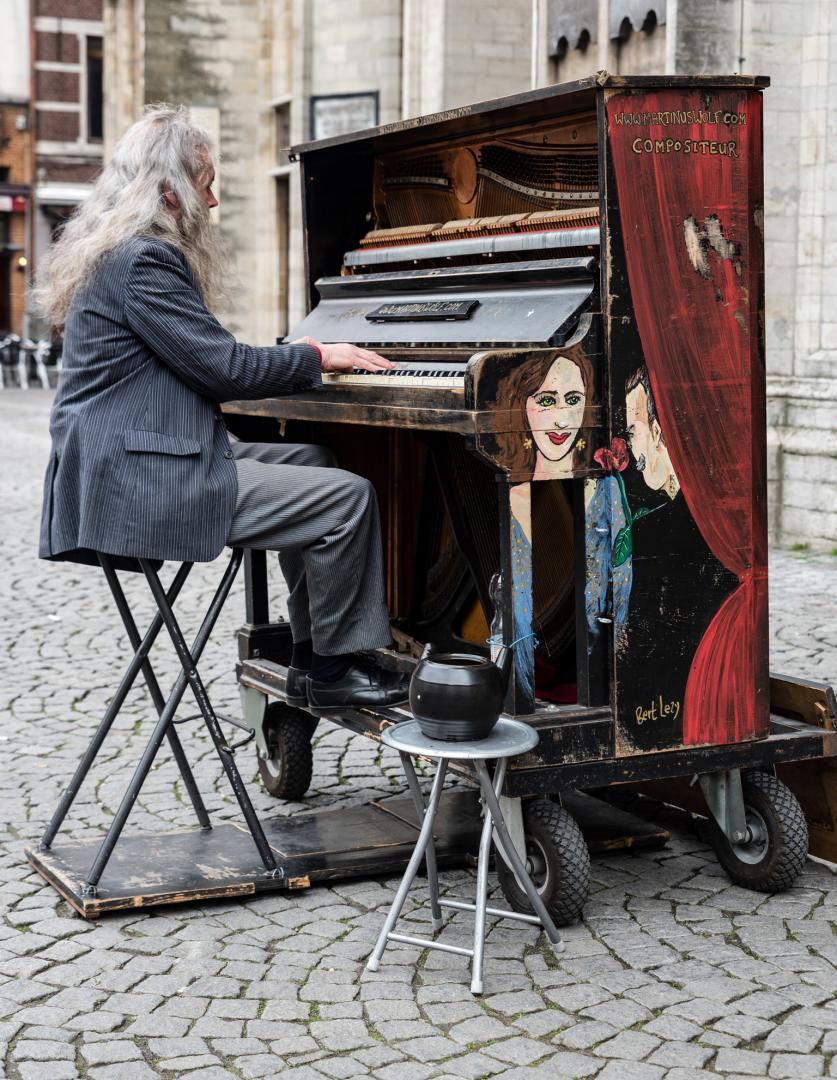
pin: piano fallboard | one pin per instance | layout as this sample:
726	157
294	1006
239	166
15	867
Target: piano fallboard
510	305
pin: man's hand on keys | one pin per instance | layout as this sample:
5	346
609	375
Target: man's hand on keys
345	357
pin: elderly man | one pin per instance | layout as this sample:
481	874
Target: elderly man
141	464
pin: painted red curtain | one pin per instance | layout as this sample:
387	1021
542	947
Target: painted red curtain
696	306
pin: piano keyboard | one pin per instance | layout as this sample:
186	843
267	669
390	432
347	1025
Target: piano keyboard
437	376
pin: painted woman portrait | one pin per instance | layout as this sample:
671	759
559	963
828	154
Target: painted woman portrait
547	410
550	409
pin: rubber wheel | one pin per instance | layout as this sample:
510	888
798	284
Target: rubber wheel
557	860
286	774
773	857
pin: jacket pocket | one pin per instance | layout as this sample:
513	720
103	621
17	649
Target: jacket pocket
157	442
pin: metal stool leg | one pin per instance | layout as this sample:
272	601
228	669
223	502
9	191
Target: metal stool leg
425	834
189	665
156	695
481	897
517	864
111	713
430	855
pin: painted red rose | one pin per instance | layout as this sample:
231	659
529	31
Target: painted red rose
619	448
615	459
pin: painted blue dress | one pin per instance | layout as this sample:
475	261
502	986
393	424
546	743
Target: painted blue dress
607	591
524	651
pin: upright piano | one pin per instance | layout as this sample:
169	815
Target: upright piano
570	461
570	453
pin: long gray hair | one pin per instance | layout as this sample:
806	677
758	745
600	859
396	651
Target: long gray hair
164	151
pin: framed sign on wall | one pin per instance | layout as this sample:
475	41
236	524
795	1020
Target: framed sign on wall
338	114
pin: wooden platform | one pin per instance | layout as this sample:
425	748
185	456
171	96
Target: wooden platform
150	869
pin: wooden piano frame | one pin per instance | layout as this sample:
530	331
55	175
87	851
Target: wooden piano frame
692	131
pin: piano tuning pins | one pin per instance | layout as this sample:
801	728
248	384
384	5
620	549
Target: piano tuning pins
463	228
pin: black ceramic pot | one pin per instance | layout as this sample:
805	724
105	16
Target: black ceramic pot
458	697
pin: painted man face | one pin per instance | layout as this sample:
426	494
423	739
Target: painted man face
646	441
555	411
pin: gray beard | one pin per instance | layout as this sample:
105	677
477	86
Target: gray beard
640	463
202	247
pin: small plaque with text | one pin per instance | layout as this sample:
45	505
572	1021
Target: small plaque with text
423	311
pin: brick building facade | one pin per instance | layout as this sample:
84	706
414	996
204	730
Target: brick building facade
15	196
67	108
250	69
15	167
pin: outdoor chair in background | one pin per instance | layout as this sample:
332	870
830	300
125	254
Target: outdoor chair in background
22	357
9	373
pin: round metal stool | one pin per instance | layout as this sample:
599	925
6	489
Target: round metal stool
508	739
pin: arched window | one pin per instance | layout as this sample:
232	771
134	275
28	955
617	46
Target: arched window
571	57
625	30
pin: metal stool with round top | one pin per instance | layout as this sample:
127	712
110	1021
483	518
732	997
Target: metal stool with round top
507	739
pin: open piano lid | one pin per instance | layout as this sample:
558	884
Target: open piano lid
518	304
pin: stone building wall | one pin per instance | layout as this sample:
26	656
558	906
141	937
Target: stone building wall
795	43
488	50
356	46
637	44
251	67
215	58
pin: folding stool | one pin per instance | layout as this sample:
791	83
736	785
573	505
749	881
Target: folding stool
166	709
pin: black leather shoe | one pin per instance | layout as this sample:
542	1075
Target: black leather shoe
295	687
363	686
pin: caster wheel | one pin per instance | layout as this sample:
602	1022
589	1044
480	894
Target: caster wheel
286	773
557	860
773	856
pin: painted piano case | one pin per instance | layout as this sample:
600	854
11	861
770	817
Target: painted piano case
613	474
684	250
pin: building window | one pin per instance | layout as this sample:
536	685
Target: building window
282	135
568	61
95	128
283	221
282	115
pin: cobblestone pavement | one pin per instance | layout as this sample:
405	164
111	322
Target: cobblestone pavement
673	974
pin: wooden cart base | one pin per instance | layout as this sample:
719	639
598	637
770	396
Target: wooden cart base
148	870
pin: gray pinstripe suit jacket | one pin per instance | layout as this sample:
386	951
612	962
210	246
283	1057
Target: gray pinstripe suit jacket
141	463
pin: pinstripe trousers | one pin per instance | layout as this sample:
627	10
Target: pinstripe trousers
323	522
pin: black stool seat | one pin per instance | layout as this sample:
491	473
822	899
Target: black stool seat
166	708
